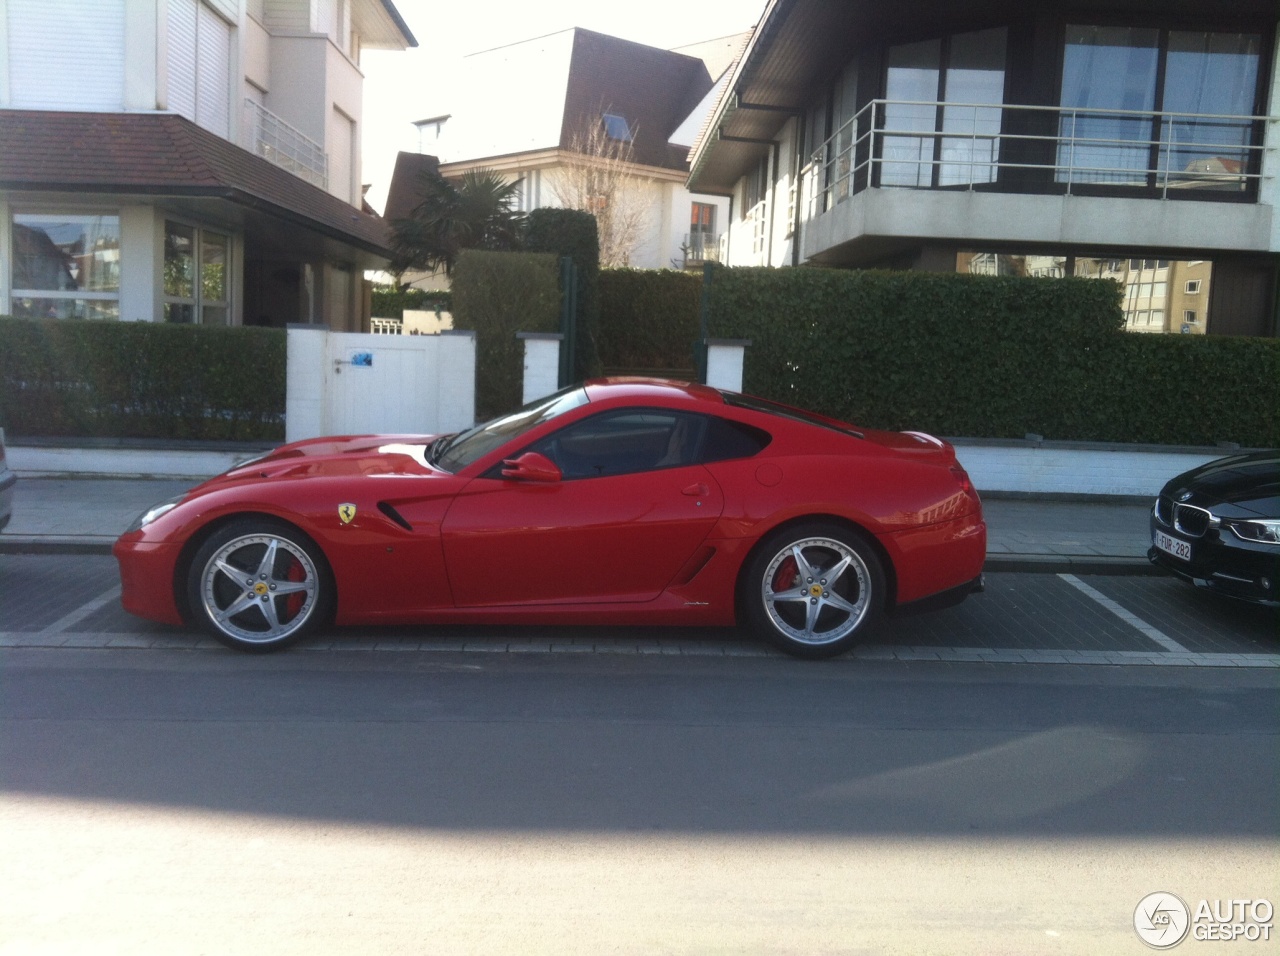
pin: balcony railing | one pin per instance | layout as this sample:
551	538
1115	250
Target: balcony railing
700	247
924	144
272	138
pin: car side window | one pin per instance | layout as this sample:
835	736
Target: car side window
626	442
725	439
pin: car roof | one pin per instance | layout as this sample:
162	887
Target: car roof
636	388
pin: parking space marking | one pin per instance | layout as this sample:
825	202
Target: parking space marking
83	611
1161	638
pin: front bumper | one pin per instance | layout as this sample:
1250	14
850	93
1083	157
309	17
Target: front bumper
1222	563
147	578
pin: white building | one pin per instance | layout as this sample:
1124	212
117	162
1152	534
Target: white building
187	160
523	110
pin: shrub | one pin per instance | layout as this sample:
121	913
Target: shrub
62	378
991	357
648	319
499	294
568	232
390	303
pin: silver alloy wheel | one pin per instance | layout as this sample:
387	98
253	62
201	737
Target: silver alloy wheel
816	591
259	588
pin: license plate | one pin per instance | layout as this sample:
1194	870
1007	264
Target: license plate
1175	546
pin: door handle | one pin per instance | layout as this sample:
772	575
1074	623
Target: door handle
696	490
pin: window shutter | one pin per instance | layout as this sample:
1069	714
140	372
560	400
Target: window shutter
182	57
213	73
66	54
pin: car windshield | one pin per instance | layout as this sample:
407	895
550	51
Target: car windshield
462	450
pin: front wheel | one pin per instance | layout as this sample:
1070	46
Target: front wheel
814	590
258	585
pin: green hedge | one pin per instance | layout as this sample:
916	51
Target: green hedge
648	318
499	294
991	357
389	303
61	378
569	232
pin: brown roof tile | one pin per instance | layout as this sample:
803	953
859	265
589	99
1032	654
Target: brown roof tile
653	89
166	155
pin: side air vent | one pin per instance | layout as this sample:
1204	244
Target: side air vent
394	515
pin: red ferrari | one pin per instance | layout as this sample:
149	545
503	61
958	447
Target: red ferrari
622	501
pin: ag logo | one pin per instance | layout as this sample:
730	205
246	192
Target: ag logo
346	512
1161	920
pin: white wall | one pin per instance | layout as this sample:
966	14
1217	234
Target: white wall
415	384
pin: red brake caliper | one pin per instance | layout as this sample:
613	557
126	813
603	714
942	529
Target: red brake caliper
293	602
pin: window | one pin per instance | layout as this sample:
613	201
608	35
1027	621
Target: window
65	266
65	54
1189	317
626	442
196	282
702	231
1152	290
199	65
1210	77
616	127
925	84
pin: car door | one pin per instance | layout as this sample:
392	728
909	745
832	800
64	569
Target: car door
630	509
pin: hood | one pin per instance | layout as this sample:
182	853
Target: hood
1239	486
342	455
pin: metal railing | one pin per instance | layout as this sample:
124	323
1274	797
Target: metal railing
934	144
700	247
289	148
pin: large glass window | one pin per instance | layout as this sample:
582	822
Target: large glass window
943	86
1215	76
1118	80
65	266
1157	295
196	286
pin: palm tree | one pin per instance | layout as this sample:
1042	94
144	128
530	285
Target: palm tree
475	212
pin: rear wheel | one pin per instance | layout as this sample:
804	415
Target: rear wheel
814	590
259	585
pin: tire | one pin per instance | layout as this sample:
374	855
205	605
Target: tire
814	590
259	585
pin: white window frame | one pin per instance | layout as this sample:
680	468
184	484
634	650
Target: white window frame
196	300
67	295
1193	287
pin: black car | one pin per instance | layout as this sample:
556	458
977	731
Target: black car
1218	526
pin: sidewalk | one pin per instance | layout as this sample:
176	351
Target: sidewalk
85	515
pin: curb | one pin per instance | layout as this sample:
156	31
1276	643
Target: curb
51	544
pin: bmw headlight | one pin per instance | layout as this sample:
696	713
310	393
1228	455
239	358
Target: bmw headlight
1262	531
154	512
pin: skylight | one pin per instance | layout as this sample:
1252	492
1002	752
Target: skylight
616	127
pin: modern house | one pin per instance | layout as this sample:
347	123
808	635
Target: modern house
587	100
187	160
1136	140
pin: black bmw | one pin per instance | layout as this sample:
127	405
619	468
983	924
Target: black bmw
1218	526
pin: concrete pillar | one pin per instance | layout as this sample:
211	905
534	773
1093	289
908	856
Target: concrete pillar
306	382
724	363
457	375
541	363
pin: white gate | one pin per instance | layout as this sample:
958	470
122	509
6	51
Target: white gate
346	383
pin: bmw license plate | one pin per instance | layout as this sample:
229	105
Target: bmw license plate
1175	546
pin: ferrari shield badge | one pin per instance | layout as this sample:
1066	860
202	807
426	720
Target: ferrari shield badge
346	512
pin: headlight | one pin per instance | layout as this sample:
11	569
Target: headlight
154	512
1263	530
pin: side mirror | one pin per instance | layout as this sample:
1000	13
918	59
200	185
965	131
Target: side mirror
531	466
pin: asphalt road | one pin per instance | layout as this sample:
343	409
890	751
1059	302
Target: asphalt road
386	792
